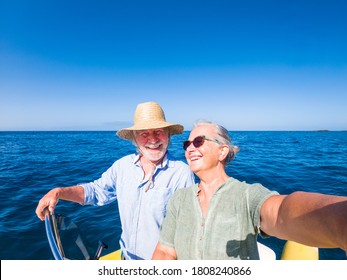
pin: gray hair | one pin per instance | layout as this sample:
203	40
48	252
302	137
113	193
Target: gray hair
223	137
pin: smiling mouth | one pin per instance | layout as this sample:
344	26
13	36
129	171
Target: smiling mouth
194	158
154	147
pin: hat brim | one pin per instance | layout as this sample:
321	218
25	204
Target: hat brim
127	133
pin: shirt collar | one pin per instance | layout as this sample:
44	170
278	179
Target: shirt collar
220	188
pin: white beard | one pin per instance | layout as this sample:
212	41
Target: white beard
154	155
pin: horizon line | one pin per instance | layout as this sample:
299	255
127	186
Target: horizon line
245	130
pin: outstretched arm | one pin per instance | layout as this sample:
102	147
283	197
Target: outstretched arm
163	252
50	200
309	218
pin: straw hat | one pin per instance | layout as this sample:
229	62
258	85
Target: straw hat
149	115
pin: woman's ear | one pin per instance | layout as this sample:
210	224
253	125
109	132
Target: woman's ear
224	151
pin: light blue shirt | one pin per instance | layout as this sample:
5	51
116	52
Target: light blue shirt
142	203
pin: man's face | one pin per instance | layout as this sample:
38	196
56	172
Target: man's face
152	143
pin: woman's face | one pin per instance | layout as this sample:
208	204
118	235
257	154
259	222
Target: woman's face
207	155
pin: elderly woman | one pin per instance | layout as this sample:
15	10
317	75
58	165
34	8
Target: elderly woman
220	217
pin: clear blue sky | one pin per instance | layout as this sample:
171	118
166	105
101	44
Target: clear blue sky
249	65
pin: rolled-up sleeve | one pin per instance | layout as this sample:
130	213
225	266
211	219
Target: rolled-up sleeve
103	190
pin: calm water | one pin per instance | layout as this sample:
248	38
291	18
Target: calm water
31	163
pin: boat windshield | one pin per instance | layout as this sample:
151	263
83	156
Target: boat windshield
66	240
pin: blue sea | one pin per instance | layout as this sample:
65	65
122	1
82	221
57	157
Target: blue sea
31	163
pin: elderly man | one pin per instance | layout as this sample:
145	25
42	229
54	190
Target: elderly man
142	182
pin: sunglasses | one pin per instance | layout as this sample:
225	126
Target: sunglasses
198	142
